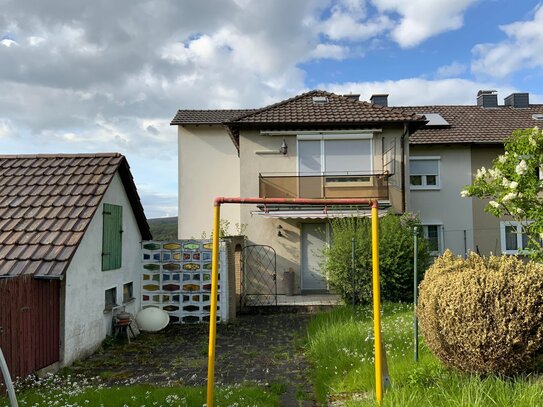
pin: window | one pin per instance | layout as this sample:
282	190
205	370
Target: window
334	154
112	239
424	172
128	292
110	299
513	240
434	235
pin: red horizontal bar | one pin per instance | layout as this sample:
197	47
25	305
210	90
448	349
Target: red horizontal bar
297	201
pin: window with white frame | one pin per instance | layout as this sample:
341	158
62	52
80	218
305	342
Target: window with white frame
434	235
424	172
513	239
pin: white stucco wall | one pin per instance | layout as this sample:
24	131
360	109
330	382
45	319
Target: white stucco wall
208	167
85	324
445	206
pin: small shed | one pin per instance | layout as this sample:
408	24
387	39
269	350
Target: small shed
71	227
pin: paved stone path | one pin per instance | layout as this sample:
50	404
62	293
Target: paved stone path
263	349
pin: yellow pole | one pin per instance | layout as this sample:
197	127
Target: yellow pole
376	303
213	311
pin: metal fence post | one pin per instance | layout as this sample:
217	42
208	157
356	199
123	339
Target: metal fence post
415	288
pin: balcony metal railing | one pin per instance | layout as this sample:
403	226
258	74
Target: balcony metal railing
345	185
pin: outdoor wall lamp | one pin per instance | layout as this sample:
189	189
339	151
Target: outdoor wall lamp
284	148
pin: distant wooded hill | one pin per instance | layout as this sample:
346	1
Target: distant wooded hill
163	228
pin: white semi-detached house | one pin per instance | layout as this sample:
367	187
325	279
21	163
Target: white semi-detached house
322	145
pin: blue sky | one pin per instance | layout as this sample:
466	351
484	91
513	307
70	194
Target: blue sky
96	76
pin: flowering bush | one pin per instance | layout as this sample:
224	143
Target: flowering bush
513	185
395	257
483	314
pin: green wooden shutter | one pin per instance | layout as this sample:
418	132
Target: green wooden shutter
112	239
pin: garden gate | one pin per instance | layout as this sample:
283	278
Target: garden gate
259	282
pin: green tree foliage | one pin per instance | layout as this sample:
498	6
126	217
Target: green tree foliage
163	228
395	256
483	314
513	185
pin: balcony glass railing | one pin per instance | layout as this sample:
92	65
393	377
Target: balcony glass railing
374	186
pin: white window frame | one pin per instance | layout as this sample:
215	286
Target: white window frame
520	248
440	236
424	186
331	136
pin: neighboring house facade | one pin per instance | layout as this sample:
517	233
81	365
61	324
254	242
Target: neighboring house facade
447	152
315	145
415	158
75	221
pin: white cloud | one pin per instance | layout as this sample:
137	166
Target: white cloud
451	70
329	51
349	21
6	129
422	19
522	49
6	42
416	91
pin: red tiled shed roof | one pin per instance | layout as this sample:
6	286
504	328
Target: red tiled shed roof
47	203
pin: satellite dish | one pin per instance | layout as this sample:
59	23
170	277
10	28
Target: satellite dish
152	319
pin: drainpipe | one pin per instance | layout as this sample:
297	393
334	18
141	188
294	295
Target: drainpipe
405	133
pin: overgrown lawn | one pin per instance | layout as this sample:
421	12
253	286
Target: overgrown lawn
340	347
144	395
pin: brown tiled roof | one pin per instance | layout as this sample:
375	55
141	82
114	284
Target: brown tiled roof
188	116
47	203
474	124
303	109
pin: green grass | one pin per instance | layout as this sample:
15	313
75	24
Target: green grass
142	395
340	347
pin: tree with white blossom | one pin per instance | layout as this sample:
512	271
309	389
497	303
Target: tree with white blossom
514	186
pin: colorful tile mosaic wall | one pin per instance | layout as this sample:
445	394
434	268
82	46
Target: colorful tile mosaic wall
177	278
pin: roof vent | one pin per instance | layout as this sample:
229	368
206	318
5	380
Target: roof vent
320	99
380	99
487	98
517	100
354	97
538	117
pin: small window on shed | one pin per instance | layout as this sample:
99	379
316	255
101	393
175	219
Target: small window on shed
110	299
112	239
128	292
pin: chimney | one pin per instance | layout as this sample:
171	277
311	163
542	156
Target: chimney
355	97
517	100
380	99
487	98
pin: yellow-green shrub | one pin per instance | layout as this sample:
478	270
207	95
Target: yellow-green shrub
483	314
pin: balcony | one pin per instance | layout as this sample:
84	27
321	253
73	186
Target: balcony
345	185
